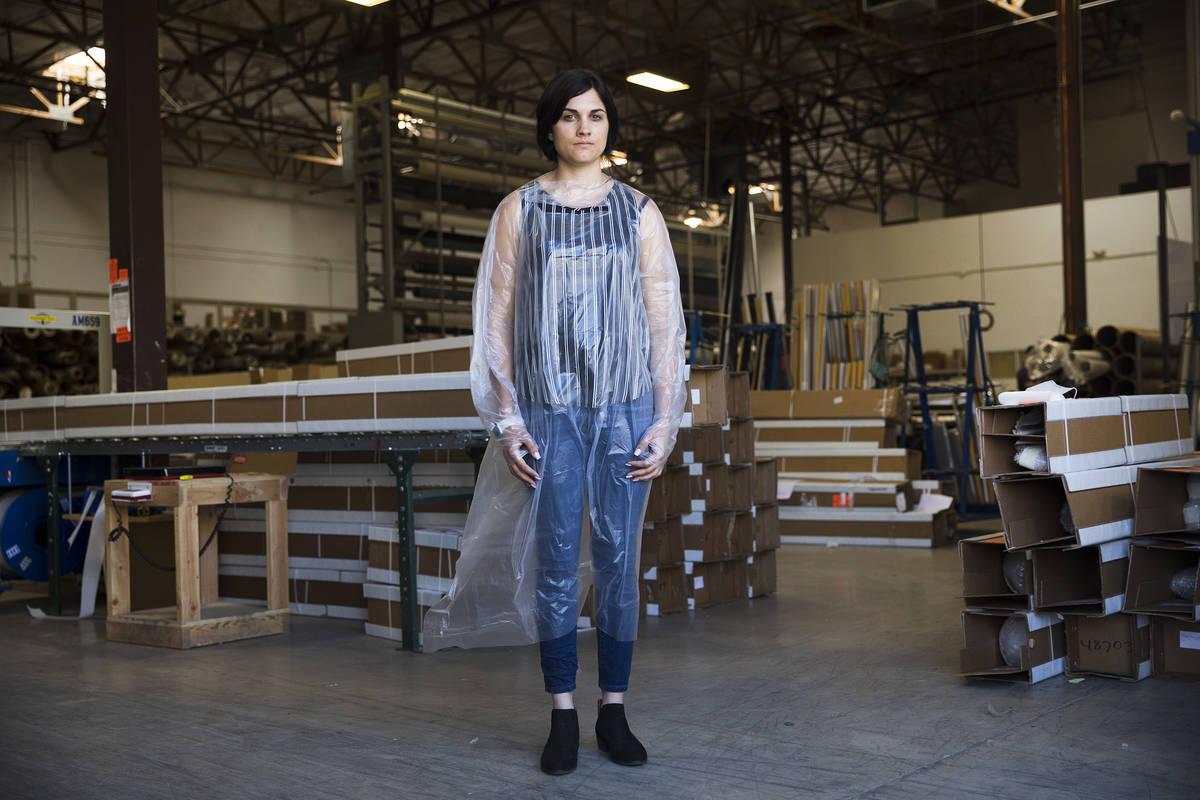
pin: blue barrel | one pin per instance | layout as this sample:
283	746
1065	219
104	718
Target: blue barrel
23	536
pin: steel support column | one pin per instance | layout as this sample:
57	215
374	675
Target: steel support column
135	213
785	189
1193	106
1070	142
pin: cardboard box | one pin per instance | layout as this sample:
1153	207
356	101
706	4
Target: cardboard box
709	536
849	404
761	579
1100	504
738	395
314	372
1084	434
1176	648
665	589
766	527
438	550
1117	646
736	579
1152	564
1043	657
277	463
984	586
707	582
1157	426
452	354
766	482
877	432
656	501
798	461
269	375
662	543
814	492
743	542
243	378
741	486
771	404
385	614
702	444
739	441
1080	580
869	527
707	398
678	488
1161	495
709	487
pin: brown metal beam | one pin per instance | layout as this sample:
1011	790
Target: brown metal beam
135	209
1070	142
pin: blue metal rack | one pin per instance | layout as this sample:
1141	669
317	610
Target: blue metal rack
915	383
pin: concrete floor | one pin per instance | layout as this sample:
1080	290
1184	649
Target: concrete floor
842	686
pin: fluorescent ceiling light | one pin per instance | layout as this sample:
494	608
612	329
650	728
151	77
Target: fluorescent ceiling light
367	3
658	82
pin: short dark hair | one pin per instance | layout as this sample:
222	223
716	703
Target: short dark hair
566	85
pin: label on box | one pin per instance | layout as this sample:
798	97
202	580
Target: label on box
842	500
1189	640
698	582
695	397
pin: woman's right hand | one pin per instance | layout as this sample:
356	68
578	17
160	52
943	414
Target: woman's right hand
516	442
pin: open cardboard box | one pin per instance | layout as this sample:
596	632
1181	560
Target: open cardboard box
984	586
1042	657
1100	503
1161	494
1152	562
1176	647
1117	646
1084	434
1080	580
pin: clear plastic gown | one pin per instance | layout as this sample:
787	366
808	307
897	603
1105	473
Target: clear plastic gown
578	345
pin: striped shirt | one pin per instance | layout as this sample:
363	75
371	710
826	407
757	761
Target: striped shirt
580	330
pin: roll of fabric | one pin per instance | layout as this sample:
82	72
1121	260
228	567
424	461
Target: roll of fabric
23	536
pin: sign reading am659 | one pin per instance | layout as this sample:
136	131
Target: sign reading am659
49	318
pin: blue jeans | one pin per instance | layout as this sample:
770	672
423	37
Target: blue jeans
584	454
560	662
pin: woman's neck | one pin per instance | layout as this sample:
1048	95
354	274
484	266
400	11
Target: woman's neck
586	173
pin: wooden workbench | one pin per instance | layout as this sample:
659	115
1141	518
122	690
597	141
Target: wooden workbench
198	617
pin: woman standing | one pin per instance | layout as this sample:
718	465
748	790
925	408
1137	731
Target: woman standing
577	369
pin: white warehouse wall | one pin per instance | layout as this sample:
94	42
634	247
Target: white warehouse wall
1012	259
228	238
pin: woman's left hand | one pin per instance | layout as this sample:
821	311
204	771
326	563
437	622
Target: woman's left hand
654	452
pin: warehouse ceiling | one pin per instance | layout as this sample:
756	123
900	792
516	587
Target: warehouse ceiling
912	97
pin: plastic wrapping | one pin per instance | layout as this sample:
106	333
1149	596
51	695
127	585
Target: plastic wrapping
1183	583
578	351
1014	634
1013	567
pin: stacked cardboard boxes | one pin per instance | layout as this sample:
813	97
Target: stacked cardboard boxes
842	478
1054	592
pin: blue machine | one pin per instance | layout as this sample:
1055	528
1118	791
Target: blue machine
23	513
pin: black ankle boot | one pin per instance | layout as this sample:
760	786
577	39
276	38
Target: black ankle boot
615	738
561	752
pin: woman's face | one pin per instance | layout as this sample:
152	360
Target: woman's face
581	132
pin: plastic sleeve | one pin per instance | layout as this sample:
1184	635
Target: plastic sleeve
492	386
664	314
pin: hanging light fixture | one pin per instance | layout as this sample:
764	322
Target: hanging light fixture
657	82
693	219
